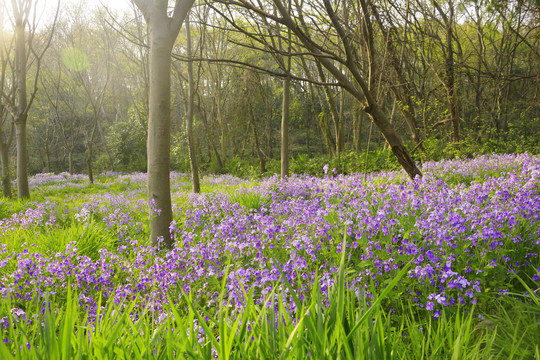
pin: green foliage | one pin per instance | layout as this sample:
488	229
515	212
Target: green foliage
346	163
89	236
513	142
127	142
248	199
344	327
179	152
243	168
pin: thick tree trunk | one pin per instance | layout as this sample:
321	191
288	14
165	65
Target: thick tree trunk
285	128
163	32
159	135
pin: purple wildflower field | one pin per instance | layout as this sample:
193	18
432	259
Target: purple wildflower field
467	227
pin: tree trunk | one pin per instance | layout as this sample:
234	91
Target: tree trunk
340	137
163	32
23	190
403	91
196	187
210	141
307	117
256	141
322	120
90	146
159	135
285	128
221	122
89	164
70	161
399	151
6	179
449	68
47	158
338	142
268	124
103	140
357	129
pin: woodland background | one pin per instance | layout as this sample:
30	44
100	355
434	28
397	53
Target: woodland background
454	77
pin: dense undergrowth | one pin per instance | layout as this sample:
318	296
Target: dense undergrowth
336	266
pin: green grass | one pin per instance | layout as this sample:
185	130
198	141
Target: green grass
348	328
342	326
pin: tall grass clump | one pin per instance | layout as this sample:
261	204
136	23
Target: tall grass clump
339	325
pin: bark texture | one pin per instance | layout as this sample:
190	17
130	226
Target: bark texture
163	33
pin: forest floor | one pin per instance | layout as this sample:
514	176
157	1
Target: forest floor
338	266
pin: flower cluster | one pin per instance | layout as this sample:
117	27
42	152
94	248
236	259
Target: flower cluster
467	228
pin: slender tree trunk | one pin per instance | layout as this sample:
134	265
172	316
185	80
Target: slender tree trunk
90	150
402	91
23	190
222	124
6	179
357	129
103	140
89	164
210	141
322	121
257	143
307	116
450	68
70	161
196	187
47	158
338	136
268	126
285	128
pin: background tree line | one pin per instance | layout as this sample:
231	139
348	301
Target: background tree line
451	77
